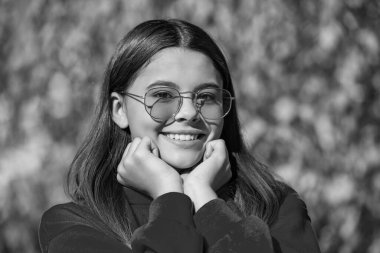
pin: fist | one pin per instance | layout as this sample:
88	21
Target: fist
215	170
204	180
142	169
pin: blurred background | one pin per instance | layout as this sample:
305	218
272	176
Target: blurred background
307	76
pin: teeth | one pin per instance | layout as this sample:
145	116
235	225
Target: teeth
183	137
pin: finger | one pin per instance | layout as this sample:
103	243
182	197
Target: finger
126	150
134	144
154	148
147	144
155	152
219	146
208	151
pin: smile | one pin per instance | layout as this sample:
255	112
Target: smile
183	137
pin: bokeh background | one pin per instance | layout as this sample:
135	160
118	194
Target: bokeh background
307	75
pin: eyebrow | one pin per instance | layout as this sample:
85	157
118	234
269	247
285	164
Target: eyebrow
174	85
161	84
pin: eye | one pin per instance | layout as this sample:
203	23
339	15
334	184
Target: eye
163	94
207	96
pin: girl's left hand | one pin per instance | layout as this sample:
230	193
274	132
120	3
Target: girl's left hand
204	180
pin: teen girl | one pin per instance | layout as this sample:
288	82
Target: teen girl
164	168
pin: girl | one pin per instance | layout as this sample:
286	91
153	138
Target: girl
164	168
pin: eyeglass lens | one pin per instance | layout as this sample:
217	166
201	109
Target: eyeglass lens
164	102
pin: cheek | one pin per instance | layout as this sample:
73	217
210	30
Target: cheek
141	124
143	128
217	129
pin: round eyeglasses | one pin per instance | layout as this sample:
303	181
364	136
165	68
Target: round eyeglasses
163	103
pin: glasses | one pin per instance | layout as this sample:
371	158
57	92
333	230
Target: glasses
163	103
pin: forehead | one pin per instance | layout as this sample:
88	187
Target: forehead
184	68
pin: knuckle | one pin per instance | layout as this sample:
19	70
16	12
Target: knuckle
121	170
220	145
139	155
220	142
125	163
145	139
119	179
124	166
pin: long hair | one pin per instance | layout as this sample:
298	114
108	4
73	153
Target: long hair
92	178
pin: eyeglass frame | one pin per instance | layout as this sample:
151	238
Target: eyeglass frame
194	95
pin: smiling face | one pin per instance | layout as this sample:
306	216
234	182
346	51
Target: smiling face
182	139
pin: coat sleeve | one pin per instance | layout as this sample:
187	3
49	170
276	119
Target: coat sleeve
170	229
226	231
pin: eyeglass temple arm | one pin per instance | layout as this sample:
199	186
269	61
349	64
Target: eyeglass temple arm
136	97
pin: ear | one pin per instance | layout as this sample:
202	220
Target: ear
119	114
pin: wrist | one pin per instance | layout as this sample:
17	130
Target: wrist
166	188
199	194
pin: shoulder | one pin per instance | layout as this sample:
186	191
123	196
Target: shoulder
60	218
293	210
292	231
64	211
293	202
68	217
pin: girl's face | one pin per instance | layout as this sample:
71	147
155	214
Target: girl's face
181	140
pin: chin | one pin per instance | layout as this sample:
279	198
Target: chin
182	162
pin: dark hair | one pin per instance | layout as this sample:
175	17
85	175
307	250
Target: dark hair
92	179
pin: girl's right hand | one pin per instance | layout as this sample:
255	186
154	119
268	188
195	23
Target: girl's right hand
142	169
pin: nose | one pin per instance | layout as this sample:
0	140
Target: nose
188	111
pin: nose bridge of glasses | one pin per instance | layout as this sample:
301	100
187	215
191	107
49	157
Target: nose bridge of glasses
192	95
187	107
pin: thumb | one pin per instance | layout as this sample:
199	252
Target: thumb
208	151
149	145
154	149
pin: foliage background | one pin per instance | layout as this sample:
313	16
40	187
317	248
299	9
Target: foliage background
307	75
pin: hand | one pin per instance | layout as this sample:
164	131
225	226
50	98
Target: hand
142	169
204	180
